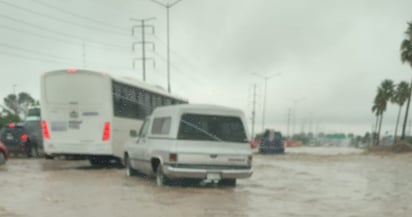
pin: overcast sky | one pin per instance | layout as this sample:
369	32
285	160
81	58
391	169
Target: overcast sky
327	56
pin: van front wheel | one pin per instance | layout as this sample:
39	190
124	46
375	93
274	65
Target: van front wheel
129	170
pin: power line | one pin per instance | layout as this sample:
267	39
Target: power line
80	16
20	56
71	41
67	35
60	58
60	19
35	51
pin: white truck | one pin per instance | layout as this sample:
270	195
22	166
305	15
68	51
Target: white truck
203	142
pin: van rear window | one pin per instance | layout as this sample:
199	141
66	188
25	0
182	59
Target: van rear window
211	128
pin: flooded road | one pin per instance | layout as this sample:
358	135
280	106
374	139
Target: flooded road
303	182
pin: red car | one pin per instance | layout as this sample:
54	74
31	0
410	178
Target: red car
4	153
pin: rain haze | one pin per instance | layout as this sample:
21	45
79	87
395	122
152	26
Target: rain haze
326	57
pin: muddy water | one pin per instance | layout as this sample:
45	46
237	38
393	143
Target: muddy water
296	184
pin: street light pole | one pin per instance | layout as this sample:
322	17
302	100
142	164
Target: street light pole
167	6
295	102
266	78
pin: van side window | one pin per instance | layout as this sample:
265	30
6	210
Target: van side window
161	125
144	129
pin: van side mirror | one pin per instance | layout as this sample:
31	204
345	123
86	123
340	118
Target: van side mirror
133	133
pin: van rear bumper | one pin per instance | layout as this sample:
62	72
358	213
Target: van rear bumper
178	172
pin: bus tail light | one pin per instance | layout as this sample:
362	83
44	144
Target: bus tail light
106	131
71	70
45	127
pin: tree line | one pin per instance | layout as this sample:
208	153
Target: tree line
15	107
399	94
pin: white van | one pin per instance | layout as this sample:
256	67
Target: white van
201	142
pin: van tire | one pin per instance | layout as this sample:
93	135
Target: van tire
2	158
228	182
129	170
161	179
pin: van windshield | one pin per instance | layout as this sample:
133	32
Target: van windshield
211	128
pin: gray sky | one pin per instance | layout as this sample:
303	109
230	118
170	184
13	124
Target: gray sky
331	55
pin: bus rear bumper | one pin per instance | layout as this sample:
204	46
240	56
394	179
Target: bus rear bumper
87	149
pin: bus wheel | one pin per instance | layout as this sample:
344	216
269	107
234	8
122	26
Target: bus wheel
95	162
48	157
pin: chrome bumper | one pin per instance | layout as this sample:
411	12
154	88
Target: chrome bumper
173	172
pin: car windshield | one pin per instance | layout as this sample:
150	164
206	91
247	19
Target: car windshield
211	127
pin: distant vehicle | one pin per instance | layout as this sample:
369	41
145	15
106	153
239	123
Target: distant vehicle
33	128
272	142
4	153
88	114
14	137
200	142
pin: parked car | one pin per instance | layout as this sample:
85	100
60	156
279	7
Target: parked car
33	129
201	142
4	154
272	142
15	138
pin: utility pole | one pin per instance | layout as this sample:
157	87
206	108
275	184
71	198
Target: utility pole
266	78
295	102
84	54
253	112
143	43
288	126
167	6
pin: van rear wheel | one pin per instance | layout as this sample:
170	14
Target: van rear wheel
228	182
161	179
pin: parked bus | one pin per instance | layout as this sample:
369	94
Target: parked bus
88	114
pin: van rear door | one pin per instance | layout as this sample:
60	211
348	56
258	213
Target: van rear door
212	140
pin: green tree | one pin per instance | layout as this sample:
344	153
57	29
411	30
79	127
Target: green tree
19	104
406	57
385	93
400	95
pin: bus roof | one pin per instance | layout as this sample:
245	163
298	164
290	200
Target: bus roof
122	79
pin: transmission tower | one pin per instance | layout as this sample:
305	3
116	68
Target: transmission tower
143	26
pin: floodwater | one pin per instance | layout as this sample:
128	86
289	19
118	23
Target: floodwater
303	182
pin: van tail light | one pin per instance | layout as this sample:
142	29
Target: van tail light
24	138
173	158
12	125
106	131
45	127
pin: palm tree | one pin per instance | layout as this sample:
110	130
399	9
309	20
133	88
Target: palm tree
406	56
385	93
399	97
